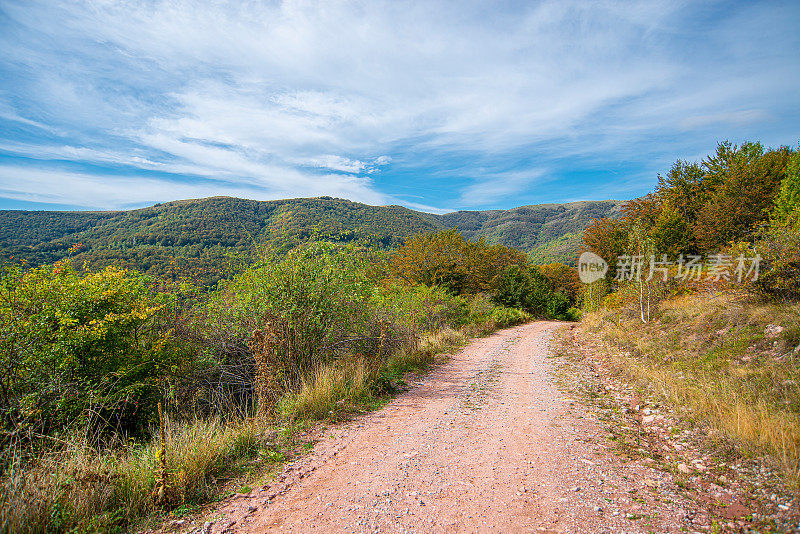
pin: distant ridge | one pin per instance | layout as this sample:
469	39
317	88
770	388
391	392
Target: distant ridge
198	237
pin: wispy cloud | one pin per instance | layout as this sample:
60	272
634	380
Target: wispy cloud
108	191
489	189
462	103
746	116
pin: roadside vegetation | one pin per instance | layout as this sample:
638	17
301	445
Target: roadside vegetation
124	397
729	351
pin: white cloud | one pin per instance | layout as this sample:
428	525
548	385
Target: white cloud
107	191
301	98
746	116
98	191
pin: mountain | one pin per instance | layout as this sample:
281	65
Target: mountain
202	238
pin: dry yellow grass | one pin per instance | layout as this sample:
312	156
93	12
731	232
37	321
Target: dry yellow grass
717	355
352	380
78	487
318	395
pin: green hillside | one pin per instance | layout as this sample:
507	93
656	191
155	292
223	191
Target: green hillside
200	238
530	227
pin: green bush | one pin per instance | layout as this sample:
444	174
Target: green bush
314	300
91	349
418	308
522	287
480	308
529	289
557	306
780	271
505	317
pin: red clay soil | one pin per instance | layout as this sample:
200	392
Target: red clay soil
484	443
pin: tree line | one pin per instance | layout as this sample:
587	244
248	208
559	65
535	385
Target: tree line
741	198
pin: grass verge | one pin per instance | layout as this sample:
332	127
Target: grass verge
80	489
732	362
358	384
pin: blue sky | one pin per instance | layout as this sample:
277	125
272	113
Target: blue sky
433	105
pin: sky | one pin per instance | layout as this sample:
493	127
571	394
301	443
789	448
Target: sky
437	106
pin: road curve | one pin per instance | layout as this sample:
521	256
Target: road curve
486	442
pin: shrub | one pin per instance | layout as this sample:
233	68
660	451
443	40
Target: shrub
480	308
532	291
780	272
557	306
418	308
302	310
90	349
525	288
448	260
505	317
563	279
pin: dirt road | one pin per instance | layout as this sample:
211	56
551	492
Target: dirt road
484	443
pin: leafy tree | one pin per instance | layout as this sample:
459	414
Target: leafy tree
563	279
680	195
740	188
608	238
645	210
780	242
559	306
642	245
296	313
434	259
787	202
524	288
447	259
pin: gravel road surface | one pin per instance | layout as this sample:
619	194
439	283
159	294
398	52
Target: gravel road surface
486	442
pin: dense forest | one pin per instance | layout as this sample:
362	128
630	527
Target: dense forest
203	239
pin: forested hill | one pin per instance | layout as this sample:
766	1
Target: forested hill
200	238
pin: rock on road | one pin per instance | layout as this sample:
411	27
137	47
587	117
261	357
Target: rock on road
485	443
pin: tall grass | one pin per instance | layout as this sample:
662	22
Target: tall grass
715	354
76	487
319	395
361	382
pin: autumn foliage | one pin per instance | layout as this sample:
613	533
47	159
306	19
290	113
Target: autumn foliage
447	259
739	196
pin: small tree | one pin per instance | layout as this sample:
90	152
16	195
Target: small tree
296	313
780	242
592	295
525	288
447	259
94	349
642	245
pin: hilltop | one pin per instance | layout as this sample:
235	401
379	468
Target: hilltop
201	237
